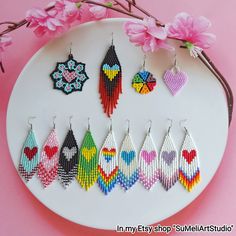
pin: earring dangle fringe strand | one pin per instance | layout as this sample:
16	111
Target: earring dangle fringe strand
88	162
48	166
169	164
110	82
68	160
108	164
29	160
148	163
189	172
128	163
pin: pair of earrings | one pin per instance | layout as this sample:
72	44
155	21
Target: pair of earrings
144	81
186	168
46	164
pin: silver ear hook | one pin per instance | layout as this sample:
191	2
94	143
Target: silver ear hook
53	121
112	38
144	61
70	118
128	121
170	126
70	48
88	123
150	126
29	121
181	125
110	124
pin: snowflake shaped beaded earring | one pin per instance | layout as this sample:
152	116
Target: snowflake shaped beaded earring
69	76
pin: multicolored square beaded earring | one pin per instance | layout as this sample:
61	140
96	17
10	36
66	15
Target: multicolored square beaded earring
29	160
110	82
69	76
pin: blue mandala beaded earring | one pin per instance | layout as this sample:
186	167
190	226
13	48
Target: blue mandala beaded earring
69	76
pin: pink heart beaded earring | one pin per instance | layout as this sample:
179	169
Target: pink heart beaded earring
175	79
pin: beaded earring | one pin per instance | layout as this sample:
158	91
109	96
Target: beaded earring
88	161
108	163
29	160
144	82
69	76
189	170
175	79
128	162
48	166
148	162
169	164
68	159
110	82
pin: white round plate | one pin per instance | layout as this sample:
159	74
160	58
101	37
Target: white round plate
202	102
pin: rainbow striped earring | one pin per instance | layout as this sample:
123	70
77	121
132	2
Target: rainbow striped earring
108	163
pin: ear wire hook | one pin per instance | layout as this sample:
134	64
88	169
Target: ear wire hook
150	126
181	125
170	126
128	122
29	121
110	124
112	38
144	61
53	121
88	123
70	118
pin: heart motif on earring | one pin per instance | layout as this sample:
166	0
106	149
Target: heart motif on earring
30	152
175	80
69	76
111	71
69	152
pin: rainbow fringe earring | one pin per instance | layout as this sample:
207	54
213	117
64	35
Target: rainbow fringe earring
48	166
144	82
68	160
108	163
110	82
148	162
169	164
189	170
88	161
29	160
128	162
175	79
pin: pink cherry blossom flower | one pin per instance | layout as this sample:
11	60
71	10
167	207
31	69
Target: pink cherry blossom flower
44	22
192	30
147	34
67	11
98	12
